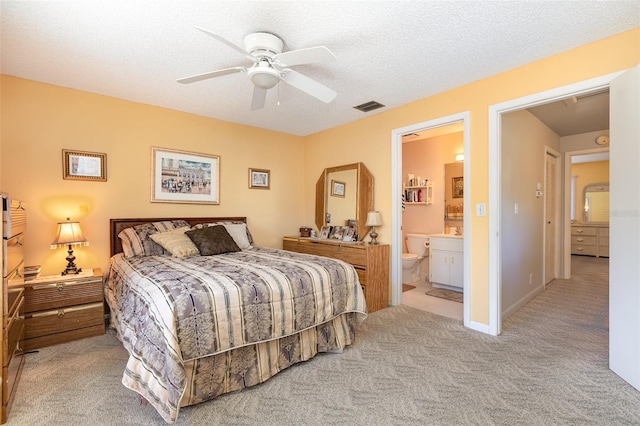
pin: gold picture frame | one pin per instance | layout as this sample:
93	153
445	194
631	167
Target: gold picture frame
184	177
83	165
259	179
457	189
337	188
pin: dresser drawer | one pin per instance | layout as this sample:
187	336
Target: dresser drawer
14	329
583	230
41	297
583	240
60	320
352	255
11	373
13	252
583	249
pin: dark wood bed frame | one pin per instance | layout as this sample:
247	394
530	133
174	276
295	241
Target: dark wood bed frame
117	225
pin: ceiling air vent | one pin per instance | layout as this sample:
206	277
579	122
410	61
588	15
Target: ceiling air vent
369	106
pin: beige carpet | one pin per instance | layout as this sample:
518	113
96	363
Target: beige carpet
443	293
407	367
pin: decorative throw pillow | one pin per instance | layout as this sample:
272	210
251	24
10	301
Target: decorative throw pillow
238	232
136	241
212	240
176	242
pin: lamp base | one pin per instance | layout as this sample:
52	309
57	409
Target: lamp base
374	237
71	267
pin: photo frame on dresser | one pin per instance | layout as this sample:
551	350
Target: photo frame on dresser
83	165
184	177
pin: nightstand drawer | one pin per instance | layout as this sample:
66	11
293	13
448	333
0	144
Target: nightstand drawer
61	320
41	297
15	326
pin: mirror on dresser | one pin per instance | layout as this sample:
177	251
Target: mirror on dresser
344	193
595	203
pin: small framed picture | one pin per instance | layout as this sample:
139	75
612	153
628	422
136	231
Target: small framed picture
348	234
337	233
81	165
337	188
259	179
458	187
325	231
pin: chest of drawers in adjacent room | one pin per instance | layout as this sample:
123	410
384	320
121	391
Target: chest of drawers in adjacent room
60	309
590	240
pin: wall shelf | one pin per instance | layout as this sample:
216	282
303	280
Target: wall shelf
419	195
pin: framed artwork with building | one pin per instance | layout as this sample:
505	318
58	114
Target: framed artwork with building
184	177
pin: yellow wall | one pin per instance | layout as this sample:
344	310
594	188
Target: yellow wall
370	138
39	120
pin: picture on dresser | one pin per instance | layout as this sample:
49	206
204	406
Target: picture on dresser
337	232
81	165
348	234
325	231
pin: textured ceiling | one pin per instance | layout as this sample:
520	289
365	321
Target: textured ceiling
393	52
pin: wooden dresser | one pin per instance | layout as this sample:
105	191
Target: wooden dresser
12	229
590	240
62	308
370	261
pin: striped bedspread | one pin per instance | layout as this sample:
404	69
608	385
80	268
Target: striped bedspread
171	313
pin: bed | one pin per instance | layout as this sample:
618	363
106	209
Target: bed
198	325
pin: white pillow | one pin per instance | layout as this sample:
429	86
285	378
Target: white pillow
238	232
176	242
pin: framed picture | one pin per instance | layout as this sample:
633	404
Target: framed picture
337	188
325	231
81	165
348	234
259	179
184	177
458	187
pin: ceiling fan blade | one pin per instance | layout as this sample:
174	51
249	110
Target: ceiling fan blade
309	86
309	55
259	96
228	43
211	74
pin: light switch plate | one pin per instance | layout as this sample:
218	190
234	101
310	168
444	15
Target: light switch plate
480	209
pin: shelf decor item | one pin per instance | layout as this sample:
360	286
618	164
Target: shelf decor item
373	220
69	234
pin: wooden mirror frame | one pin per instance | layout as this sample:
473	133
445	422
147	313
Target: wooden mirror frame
364	196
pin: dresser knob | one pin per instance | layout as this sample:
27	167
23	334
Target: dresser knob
60	286
61	313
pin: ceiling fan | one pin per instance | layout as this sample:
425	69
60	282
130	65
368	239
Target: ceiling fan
271	65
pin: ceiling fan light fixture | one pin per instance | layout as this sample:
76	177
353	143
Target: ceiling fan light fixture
264	78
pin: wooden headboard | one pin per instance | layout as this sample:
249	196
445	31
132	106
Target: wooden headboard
117	225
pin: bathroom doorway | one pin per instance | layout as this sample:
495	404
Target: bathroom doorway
432	213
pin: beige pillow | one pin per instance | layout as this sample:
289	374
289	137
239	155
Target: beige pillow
176	242
238	232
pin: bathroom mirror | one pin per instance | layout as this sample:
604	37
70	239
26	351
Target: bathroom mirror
595	203
344	193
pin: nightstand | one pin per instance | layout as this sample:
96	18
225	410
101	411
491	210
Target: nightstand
62	308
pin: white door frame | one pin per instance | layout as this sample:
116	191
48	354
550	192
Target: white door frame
396	203
568	156
495	176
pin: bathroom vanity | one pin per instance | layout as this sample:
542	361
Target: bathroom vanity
446	261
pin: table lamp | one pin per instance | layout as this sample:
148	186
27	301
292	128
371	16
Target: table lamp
373	220
69	234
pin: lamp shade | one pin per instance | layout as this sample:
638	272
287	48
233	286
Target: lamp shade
373	219
69	233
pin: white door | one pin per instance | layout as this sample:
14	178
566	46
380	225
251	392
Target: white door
624	223
551	215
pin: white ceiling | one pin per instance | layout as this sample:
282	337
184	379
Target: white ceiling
393	52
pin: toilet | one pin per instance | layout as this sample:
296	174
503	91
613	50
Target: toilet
418	245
